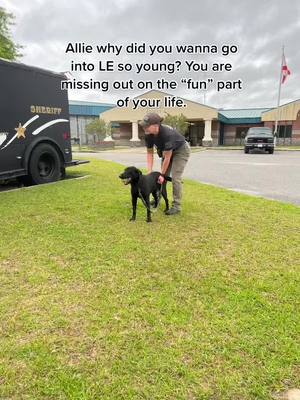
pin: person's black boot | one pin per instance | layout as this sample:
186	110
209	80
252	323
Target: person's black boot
172	211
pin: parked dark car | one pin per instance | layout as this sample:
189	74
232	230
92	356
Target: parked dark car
261	138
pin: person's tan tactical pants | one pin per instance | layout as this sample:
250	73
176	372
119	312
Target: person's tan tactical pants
178	162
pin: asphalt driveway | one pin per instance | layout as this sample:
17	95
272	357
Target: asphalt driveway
273	176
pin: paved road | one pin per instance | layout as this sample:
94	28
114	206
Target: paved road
275	176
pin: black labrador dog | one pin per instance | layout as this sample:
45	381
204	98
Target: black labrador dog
142	186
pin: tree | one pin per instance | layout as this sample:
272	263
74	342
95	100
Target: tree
8	49
178	122
99	128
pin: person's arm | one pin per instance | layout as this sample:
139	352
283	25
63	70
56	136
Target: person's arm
167	155
149	159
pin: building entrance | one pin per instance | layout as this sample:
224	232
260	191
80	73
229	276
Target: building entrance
195	133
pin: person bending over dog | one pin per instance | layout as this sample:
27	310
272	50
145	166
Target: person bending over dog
175	153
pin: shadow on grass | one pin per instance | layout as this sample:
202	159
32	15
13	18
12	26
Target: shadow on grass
14	184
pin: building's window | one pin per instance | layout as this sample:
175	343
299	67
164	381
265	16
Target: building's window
285	131
241	132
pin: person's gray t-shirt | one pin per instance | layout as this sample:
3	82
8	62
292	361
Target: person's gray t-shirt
167	139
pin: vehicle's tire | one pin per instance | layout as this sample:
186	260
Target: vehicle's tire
44	164
271	151
246	151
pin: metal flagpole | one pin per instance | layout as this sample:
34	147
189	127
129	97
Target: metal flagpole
279	93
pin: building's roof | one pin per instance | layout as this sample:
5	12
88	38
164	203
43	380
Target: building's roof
286	112
193	111
242	115
159	92
90	103
88	108
227	116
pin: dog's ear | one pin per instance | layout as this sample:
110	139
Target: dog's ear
136	173
135	169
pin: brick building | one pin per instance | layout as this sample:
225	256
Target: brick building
208	126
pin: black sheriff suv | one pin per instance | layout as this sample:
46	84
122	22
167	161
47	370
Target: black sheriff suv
260	138
35	140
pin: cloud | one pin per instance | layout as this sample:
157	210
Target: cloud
258	28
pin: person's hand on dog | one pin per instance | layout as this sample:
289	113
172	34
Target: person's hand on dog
161	179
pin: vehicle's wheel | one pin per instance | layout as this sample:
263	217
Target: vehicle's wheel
44	164
271	151
246	150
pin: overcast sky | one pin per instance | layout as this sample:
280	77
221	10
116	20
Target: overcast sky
259	28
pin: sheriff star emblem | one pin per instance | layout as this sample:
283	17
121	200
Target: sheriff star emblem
20	131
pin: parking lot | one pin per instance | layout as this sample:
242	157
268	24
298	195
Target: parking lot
275	176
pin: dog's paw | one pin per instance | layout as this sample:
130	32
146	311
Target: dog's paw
132	219
149	220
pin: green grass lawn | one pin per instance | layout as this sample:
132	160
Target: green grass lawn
202	305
